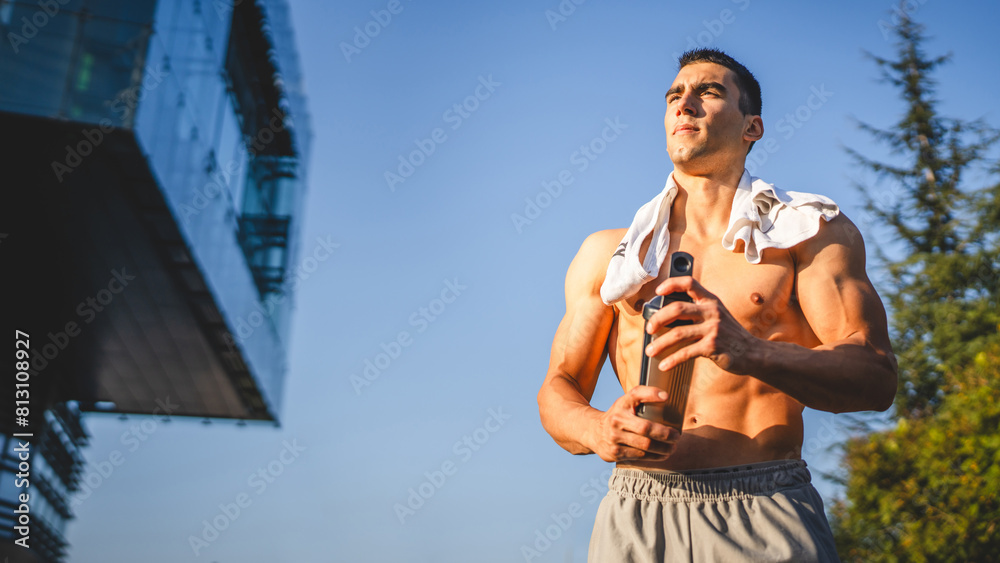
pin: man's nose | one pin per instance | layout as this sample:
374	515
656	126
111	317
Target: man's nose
685	105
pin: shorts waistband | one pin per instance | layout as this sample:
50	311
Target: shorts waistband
713	484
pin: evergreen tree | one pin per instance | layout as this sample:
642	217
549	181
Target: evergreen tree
928	489
941	292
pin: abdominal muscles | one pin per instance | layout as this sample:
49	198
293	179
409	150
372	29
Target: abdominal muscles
729	419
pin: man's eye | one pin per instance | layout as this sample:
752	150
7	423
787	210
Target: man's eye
672	99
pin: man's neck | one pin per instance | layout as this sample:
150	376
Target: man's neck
704	202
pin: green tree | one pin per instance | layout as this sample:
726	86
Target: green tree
943	294
927	488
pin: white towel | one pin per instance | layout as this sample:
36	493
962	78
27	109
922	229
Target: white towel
763	216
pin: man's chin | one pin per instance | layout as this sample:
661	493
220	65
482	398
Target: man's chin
687	155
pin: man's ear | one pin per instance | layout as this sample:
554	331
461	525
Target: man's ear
754	128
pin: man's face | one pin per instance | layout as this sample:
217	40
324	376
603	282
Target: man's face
704	125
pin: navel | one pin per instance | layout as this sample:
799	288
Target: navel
757	298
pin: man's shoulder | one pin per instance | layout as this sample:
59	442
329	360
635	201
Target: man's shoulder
591	262
598	248
838	235
600	241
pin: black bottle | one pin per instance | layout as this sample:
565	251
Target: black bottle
677	381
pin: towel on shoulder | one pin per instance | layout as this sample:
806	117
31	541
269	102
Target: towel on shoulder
763	216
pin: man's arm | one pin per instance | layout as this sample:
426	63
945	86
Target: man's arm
578	353
853	369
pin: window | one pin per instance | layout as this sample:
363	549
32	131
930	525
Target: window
269	196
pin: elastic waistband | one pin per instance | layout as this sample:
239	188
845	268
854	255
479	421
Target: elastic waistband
724	483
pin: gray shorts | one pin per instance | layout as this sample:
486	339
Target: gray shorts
758	512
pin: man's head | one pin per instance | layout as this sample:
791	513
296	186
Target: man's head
713	111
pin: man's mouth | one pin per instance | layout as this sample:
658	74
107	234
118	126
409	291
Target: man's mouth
684	129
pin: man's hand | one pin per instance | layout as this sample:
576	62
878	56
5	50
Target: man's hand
620	435
715	334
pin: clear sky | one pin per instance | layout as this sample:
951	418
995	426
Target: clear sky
463	301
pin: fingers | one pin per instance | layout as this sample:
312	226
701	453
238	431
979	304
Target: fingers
631	437
687	353
632	454
678	310
678	335
630	445
655	435
684	284
624	453
641	394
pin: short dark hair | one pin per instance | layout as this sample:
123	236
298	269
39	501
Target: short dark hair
750	100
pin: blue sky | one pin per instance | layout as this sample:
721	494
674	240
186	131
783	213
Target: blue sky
463	301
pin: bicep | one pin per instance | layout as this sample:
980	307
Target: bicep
834	292
578	349
579	346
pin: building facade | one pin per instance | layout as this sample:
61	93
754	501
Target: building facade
150	213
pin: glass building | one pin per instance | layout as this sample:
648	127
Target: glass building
154	156
56	464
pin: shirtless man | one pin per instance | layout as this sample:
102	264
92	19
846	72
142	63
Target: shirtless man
802	328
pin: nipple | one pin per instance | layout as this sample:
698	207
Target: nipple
757	298
638	304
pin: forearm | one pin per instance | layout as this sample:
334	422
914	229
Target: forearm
567	415
845	376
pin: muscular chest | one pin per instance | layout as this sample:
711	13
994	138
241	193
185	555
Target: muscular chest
760	296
